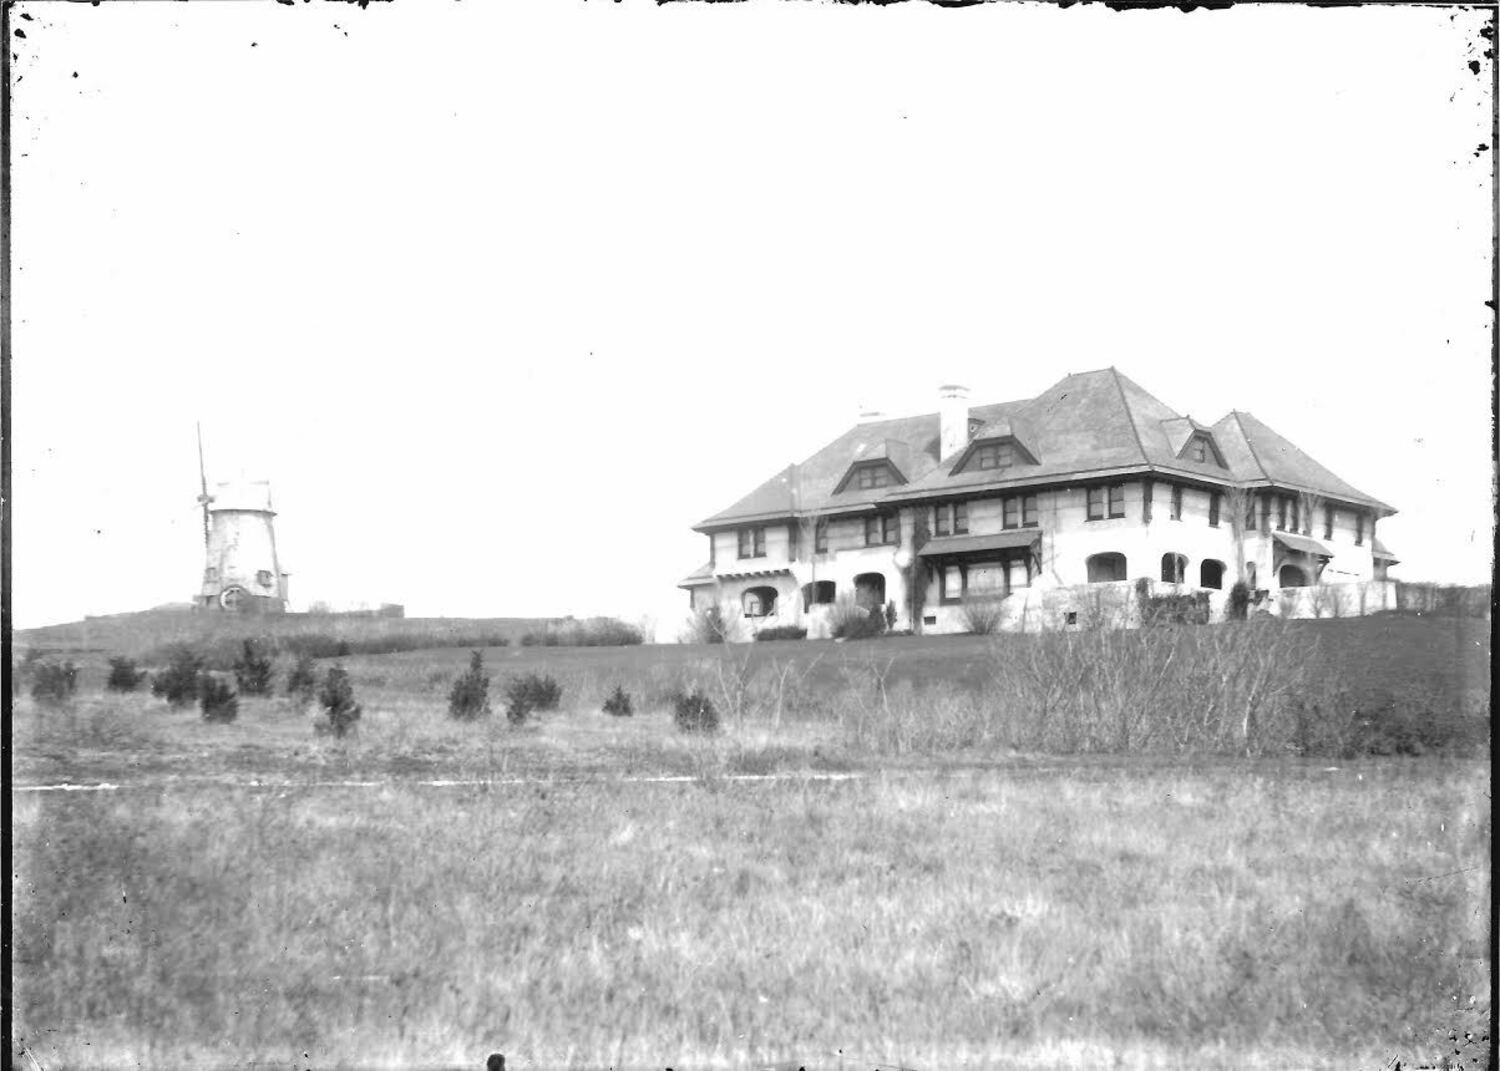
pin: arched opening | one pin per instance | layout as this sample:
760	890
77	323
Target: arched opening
1292	576
818	593
1173	568
1211	574
759	602
1106	567
869	590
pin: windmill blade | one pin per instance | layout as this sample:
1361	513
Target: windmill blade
204	498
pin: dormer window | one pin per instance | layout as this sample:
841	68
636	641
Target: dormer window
1200	448
993	456
870	476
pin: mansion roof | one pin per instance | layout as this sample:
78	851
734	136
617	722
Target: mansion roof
1095	424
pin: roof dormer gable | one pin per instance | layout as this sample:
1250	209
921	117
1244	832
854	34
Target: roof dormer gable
1201	449
993	453
870	475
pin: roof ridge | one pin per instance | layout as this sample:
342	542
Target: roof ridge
1129	415
1248	444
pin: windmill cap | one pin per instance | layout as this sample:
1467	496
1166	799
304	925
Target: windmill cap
242	494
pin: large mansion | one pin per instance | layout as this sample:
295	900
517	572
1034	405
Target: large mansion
1032	507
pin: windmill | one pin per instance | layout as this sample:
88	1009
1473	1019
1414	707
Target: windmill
241	572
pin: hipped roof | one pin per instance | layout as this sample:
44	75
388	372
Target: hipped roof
1095	424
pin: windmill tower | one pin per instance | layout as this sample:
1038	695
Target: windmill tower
241	572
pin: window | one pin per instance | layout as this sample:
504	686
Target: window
1176	503
952	583
1103	568
950	518
1265	513
752	542
1280	513
871	476
1173	568
1114	494
1211	574
1215	501
1249	512
1359	529
820	537
993	456
1327	522
793	539
1019	512
882	528
1296	514
1198	450
263	577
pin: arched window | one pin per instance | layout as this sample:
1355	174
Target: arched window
759	602
1106	567
1292	576
1173	568
818	593
1211	574
869	589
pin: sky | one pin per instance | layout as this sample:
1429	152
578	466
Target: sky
502	299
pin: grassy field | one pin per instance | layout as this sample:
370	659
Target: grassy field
978	905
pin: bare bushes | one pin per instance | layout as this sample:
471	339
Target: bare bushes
981	616
852	620
595	632
709	625
1176	690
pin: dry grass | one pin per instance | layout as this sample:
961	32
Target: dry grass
956	905
1148	916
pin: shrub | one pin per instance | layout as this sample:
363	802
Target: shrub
851	620
619	703
708	626
253	670
337	698
1239	601
694	712
782	632
595	632
216	699
302	681
53	682
178	683
470	696
981	616
123	676
528	693
890	614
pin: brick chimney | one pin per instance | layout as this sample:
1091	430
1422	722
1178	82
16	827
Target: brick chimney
953	419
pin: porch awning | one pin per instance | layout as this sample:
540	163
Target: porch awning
1382	553
968	544
748	573
1303	544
